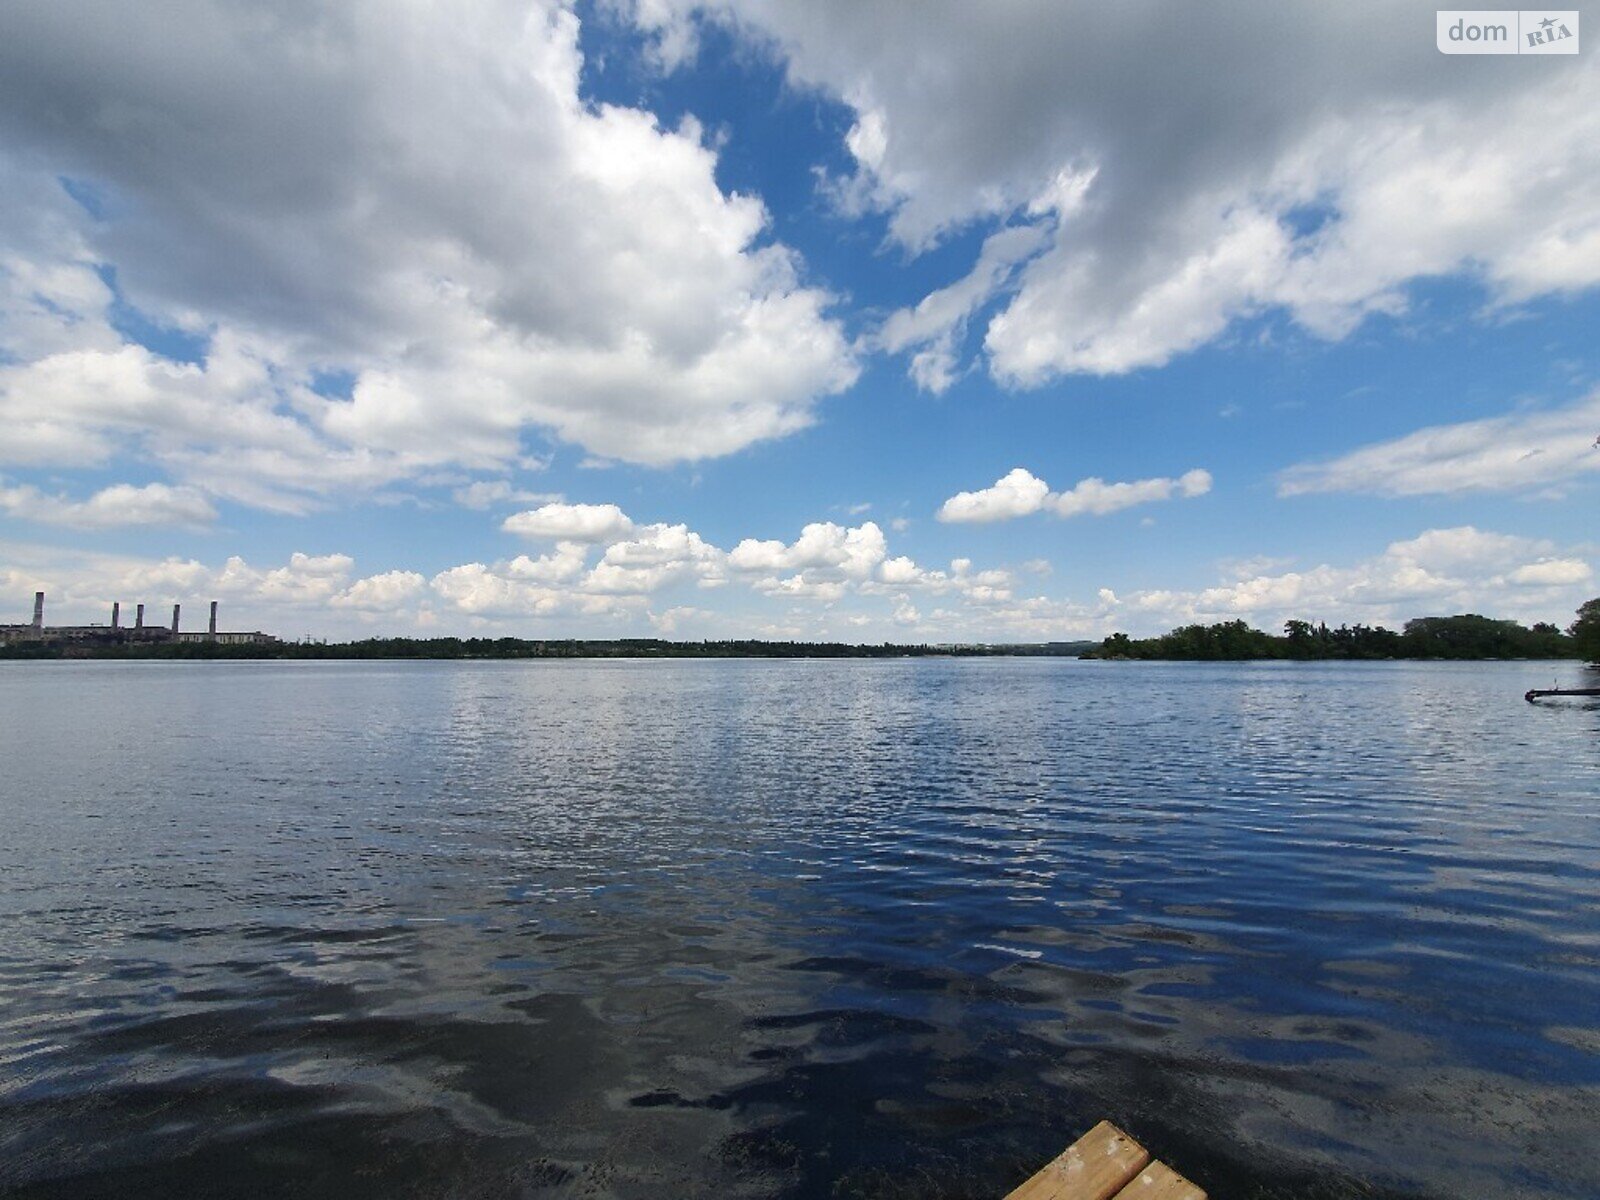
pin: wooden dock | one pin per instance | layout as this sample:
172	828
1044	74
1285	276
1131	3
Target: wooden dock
1533	694
1106	1164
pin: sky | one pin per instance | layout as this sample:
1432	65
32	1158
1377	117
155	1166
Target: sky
817	319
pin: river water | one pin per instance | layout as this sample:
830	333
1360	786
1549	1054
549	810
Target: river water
794	929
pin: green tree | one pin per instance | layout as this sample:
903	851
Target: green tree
1302	640
1118	645
1585	631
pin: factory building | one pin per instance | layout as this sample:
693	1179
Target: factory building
118	634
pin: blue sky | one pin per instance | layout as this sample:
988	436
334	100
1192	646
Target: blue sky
838	320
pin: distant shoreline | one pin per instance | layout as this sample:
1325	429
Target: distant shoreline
665	651
1465	637
487	649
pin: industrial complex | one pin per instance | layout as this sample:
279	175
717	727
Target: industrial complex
118	634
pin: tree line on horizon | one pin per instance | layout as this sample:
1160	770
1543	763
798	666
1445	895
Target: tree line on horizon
1464	636
531	648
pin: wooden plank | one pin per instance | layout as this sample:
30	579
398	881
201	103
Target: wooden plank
1160	1182
1095	1167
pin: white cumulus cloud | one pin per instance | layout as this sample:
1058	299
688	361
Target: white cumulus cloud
412	199
821	546
390	590
1015	494
653	557
571	522
1303	159
1020	493
1097	497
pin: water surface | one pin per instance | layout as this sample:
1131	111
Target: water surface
794	929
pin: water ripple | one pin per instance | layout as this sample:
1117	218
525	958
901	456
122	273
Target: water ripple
793	929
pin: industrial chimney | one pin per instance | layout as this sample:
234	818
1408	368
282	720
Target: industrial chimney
38	610
116	614
138	617
175	618
213	627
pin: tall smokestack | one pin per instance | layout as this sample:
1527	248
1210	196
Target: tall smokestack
116	614
138	617
175	618
38	610
213	628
